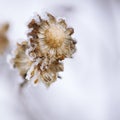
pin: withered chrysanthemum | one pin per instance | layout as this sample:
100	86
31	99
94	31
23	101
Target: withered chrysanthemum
37	69
53	37
3	38
40	58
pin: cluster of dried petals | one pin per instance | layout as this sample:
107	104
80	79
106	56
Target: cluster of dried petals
3	38
50	42
21	60
53	38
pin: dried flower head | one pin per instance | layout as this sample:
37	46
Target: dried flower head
53	37
3	38
40	58
35	70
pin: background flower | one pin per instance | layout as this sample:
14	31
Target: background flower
3	38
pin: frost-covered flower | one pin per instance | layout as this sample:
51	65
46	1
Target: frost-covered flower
40	58
3	38
53	37
37	69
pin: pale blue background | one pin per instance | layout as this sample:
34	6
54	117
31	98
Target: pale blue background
90	85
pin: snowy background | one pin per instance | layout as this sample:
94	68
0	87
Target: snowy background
90	84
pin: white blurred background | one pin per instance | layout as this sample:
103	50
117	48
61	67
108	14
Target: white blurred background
90	84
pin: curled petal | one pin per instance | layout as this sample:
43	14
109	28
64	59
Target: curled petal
69	31
51	18
63	23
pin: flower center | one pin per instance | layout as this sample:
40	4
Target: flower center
54	36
